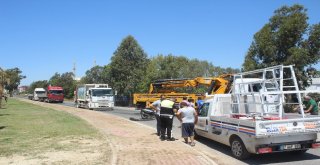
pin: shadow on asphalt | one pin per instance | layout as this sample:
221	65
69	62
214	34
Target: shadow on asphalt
284	157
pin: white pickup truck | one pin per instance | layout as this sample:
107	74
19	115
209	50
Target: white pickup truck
244	120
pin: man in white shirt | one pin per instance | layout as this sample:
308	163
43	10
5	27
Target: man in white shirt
155	106
188	116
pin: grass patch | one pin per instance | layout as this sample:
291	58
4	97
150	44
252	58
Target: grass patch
26	128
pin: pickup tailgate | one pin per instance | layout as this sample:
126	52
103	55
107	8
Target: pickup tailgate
287	126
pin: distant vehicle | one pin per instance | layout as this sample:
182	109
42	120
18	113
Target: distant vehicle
39	94
94	96
30	96
55	94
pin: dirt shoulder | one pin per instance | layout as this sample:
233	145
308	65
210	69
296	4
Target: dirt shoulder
133	143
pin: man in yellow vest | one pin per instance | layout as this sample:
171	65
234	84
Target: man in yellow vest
167	112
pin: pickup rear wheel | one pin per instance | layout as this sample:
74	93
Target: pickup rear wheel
238	149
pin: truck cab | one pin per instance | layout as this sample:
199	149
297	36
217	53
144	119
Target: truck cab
94	96
39	94
101	97
55	94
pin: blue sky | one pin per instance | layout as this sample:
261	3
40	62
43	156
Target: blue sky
43	37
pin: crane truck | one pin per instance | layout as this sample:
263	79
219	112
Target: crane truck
169	88
251	119
94	96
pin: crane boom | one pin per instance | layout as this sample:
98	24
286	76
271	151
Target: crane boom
168	88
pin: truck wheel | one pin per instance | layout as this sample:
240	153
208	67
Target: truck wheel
238	149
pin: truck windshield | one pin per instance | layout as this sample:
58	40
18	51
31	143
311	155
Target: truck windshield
40	92
57	92
102	92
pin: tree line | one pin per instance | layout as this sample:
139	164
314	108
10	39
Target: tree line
286	39
131	71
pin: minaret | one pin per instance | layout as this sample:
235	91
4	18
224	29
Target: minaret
74	71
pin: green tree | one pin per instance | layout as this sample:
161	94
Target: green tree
66	81
287	39
55	80
3	81
38	84
128	66
174	67
97	74
15	77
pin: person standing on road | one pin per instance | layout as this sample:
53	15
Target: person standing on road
188	116
311	106
155	106
184	99
199	103
167	112
191	102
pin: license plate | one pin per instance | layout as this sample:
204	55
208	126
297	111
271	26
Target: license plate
292	146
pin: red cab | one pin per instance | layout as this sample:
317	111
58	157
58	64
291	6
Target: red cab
55	94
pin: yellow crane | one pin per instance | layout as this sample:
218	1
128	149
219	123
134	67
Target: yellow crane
168	88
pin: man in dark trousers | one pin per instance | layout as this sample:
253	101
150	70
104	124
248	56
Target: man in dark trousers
167	112
155	106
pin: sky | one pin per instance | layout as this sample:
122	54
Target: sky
43	37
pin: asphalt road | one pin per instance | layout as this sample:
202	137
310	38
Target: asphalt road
311	157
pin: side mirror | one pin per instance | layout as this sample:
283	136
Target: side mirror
88	92
115	93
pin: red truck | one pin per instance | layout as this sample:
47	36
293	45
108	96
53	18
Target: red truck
55	94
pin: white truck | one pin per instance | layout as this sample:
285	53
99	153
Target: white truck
250	122
39	94
94	96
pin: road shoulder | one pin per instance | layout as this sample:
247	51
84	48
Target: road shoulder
133	143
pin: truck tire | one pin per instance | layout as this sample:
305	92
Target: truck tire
238	149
